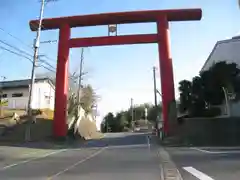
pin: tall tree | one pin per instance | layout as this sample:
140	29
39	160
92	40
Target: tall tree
88	98
185	89
198	95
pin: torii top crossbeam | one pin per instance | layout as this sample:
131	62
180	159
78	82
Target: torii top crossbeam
118	18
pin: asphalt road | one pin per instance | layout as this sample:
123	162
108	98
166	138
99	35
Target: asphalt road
207	163
123	156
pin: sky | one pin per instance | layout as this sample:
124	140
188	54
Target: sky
118	73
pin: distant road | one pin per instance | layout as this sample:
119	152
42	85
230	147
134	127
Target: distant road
120	156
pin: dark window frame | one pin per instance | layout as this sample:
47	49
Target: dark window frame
3	96
17	94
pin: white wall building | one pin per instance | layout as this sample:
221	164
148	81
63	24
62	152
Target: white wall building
17	93
225	50
228	51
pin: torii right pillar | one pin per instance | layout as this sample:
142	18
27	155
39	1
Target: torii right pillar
169	114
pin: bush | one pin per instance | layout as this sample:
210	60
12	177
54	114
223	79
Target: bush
212	112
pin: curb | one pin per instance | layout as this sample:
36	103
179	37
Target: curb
168	169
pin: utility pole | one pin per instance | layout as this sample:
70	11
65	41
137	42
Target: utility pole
1	97
35	57
155	95
132	114
154	86
80	82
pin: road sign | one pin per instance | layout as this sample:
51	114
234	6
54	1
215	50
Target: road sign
112	28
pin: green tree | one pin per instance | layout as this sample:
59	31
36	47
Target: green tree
88	98
123	122
205	90
109	122
185	89
154	112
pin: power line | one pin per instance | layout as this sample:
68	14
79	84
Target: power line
23	52
18	39
15	37
9	45
18	54
29	59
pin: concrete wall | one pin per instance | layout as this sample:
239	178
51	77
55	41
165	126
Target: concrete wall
235	109
210	131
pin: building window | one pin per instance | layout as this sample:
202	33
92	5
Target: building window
3	96
17	94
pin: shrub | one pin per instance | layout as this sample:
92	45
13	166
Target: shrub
212	112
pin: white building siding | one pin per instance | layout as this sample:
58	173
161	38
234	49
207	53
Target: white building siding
43	97
16	102
227	50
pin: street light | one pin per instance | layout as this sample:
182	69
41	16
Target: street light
226	100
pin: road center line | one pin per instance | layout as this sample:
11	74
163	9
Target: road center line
31	159
76	164
127	146
197	174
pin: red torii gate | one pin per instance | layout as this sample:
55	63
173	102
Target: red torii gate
161	17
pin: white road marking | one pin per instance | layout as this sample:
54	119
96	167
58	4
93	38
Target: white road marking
214	152
128	146
205	151
32	159
77	163
197	174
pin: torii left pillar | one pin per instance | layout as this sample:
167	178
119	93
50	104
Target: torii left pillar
61	93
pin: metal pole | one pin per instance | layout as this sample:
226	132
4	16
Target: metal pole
227	102
35	57
154	86
80	82
96	112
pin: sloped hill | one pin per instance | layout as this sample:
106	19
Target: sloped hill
40	130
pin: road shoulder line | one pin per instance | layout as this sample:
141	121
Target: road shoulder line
213	152
168	169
